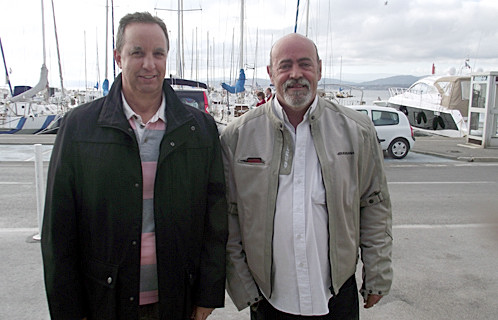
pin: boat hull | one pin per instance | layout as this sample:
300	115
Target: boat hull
444	122
28	125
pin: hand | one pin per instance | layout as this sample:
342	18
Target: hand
372	299
201	313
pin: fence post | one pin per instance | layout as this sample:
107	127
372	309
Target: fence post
40	188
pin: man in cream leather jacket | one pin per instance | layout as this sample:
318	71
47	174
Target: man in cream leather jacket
307	197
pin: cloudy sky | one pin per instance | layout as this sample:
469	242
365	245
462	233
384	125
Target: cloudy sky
372	38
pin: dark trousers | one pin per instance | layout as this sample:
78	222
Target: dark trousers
343	306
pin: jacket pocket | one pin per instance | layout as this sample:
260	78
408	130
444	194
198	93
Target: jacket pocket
100	284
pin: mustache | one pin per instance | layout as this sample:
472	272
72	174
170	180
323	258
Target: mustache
293	82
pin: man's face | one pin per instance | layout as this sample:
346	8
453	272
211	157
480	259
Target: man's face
143	59
295	71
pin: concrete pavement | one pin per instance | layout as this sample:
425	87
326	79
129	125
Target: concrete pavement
453	148
425	285
450	148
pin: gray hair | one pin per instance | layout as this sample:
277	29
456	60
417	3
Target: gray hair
138	17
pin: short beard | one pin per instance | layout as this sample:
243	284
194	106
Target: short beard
297	100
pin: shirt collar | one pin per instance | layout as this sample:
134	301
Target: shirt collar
129	113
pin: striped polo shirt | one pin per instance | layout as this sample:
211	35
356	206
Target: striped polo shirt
149	136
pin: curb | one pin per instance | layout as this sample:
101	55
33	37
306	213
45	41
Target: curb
458	158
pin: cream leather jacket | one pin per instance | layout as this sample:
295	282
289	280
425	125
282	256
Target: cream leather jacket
257	148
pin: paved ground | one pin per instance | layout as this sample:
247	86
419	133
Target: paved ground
454	148
450	148
456	268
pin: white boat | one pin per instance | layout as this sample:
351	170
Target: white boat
37	118
28	110
343	94
438	104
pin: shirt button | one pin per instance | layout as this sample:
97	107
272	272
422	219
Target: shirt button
137	185
132	298
134	243
109	280
192	128
172	144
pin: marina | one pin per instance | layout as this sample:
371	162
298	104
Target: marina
443	193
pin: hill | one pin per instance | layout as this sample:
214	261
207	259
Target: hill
403	81
396	81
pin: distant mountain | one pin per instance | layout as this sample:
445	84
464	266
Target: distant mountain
395	81
403	81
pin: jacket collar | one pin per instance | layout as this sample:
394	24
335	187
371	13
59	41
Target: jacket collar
112	113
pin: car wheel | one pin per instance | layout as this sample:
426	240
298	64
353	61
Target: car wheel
398	149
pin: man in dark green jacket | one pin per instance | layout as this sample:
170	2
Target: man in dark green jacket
135	216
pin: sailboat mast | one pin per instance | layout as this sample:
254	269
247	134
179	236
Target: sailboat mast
58	52
241	57
105	84
179	42
84	42
192	59
255	73
98	65
297	15
207	59
106	35
43	34
7	79
340	73
307	16
113	42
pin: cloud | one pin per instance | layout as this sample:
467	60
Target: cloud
402	37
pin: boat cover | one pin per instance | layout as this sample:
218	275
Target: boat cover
455	93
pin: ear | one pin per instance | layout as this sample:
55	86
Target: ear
319	69
268	70
117	57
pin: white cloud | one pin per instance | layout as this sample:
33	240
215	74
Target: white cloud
402	37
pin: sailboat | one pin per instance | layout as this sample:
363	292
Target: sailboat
237	98
28	109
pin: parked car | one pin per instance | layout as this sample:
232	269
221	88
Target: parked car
191	93
394	132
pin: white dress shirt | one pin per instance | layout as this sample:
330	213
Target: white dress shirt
301	270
